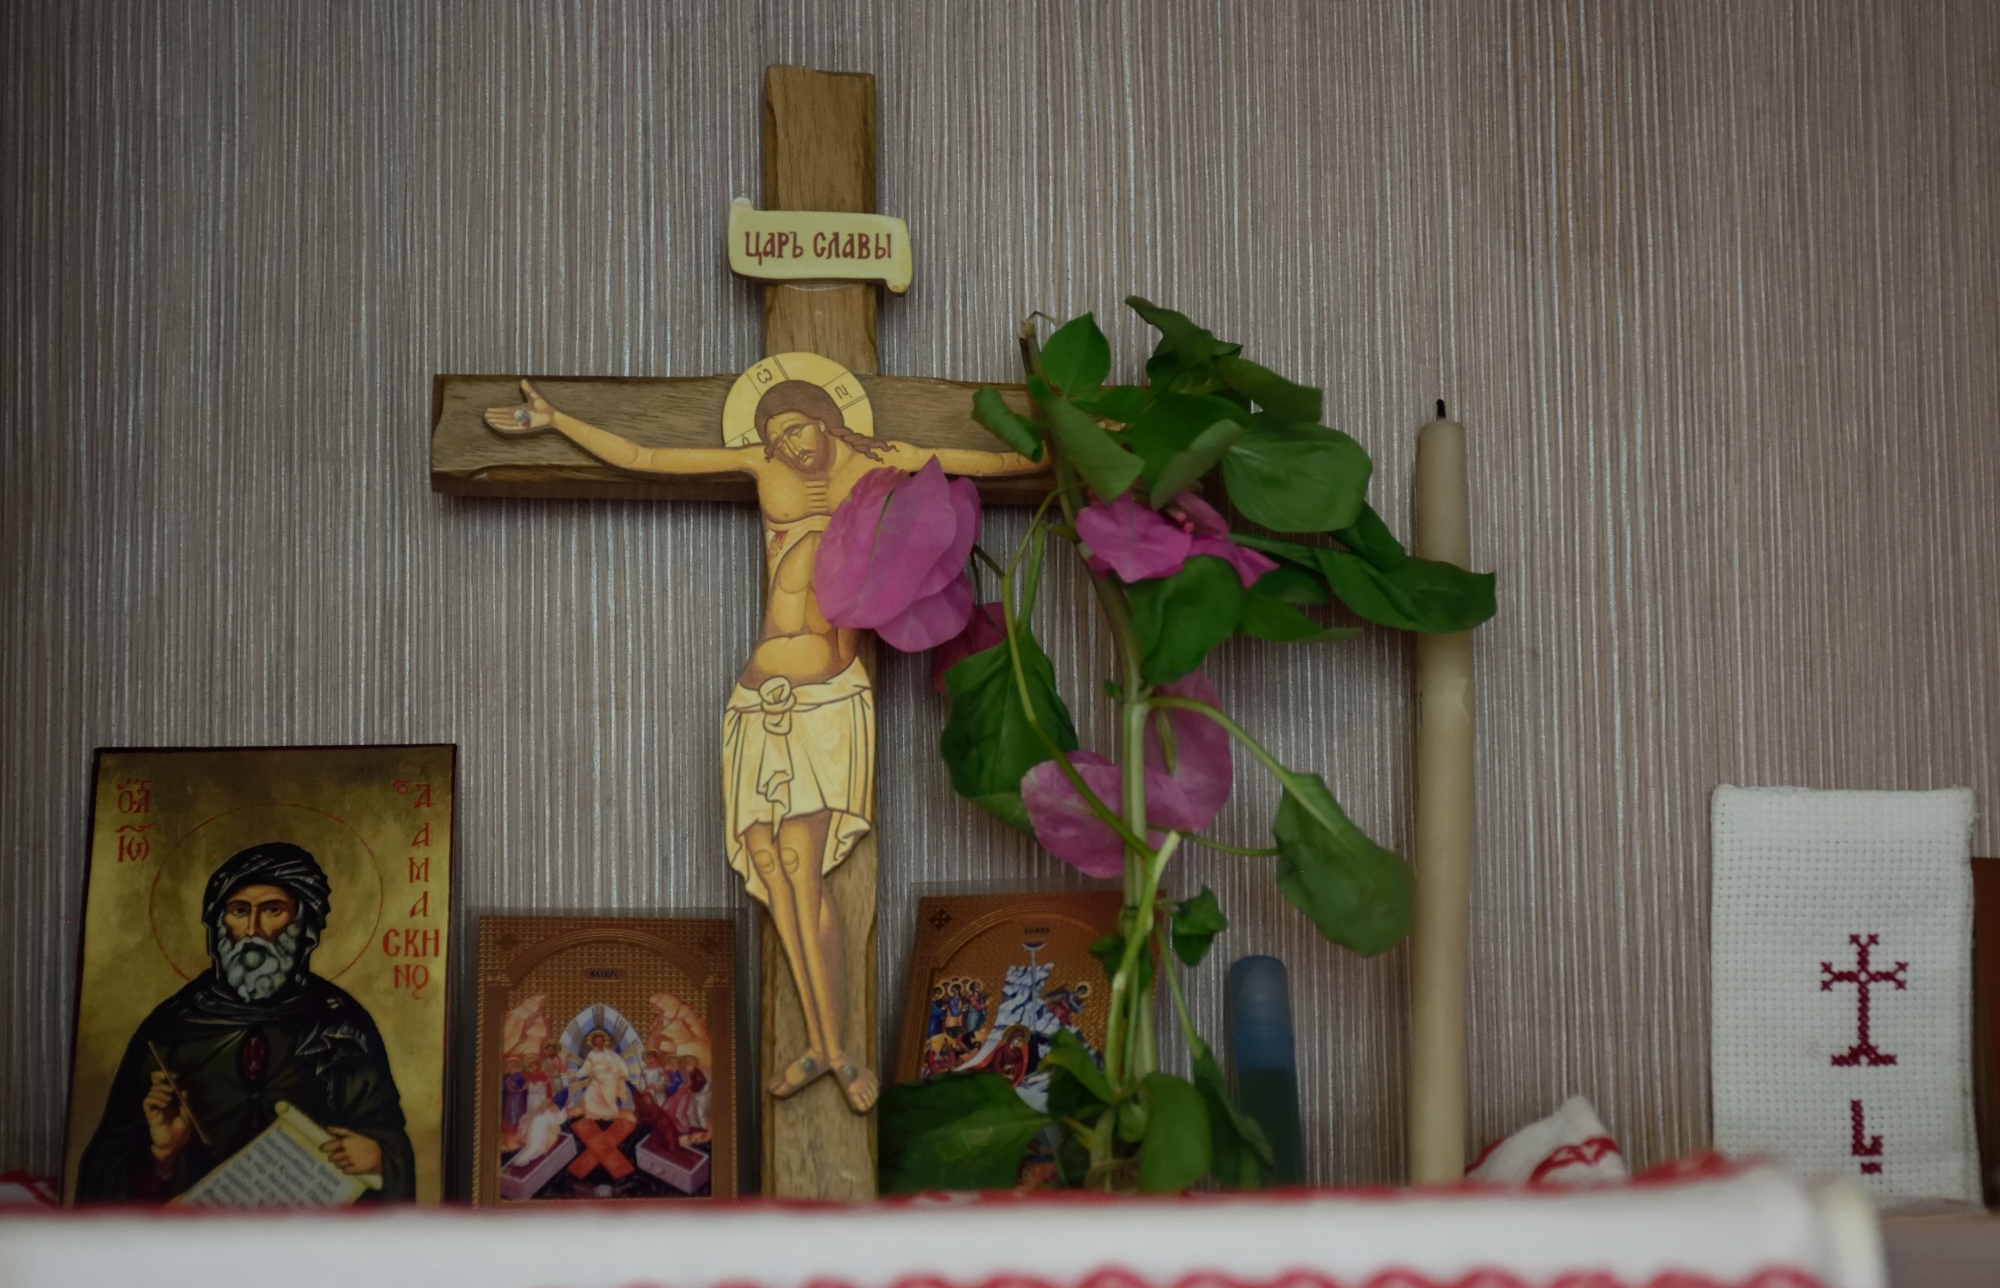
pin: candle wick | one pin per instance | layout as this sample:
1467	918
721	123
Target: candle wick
1441	415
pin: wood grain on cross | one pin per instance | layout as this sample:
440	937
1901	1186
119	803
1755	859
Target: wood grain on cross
819	154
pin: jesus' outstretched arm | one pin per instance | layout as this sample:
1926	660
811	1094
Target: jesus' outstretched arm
536	415
958	460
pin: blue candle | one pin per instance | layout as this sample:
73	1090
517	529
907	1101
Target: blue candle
1261	1051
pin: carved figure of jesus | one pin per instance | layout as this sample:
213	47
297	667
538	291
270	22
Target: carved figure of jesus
798	745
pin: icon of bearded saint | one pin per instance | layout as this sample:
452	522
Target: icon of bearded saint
202	1071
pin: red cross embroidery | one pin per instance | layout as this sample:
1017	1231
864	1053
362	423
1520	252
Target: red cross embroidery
1864	1050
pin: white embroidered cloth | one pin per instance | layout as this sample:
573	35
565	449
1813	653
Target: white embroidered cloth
1749	1228
1569	1147
1841	951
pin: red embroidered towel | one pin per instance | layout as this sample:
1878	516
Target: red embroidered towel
1569	1147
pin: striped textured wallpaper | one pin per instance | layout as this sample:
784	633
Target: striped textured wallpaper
1713	285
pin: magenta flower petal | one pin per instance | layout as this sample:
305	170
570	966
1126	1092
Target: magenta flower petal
1203	519
930	621
1249	564
1064	824
841	569
1131	540
964	500
882	544
983	629
919	526
1202	774
1168	805
1067	828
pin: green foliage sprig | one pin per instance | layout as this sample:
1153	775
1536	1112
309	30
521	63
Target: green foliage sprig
1011	746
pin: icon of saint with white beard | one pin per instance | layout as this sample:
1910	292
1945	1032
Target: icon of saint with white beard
204	1072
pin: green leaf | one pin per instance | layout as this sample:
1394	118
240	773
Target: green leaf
1072	1161
1370	538
1174	1151
1413	595
1240	1156
1069	1054
1356	892
1110	950
1178	619
1270	618
1290	583
1194	346
1297	478
1131	1121
1165	373
1005	424
961	1131
1108	468
1077	357
1270	391
1418	595
1294	552
1069	1098
1186	468
987	744
1122	403
1196	923
1171	423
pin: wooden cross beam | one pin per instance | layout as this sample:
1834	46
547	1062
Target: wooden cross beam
662	438
468	459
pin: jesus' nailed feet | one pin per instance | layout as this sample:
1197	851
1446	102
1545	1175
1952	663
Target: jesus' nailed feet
857	1082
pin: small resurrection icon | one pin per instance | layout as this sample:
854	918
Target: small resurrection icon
1867	1148
1864	1051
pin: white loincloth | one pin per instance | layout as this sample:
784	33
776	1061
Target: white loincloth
795	752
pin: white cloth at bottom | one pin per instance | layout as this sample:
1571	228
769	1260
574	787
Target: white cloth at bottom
1727	1228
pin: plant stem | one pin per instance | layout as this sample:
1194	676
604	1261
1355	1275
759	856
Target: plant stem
1132	768
1180	1002
1227	848
1123	1011
1235	730
981	555
1090	798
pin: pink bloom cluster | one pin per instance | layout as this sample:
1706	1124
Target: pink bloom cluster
893	557
1187	798
1139	543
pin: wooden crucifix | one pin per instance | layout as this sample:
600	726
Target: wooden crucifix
794	433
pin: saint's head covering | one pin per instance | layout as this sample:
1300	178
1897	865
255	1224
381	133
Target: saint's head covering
281	864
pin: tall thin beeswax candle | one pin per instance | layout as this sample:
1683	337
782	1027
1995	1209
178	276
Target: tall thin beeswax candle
1444	828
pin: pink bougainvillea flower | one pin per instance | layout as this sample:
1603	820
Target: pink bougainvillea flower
983	629
1187	799
1202	774
893	557
1137	543
932	620
1128	538
1064	824
1209	535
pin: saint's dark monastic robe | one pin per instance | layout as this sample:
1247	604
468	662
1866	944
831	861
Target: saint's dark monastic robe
309	1043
